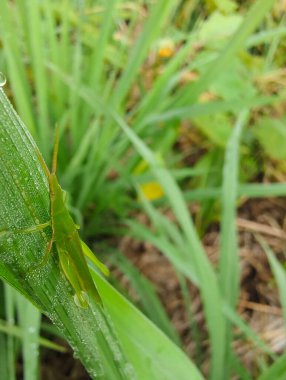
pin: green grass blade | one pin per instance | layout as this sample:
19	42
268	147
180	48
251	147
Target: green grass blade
276	371
15	66
160	12
153	99
262	190
266	36
30	321
195	329
175	255
4	361
17	332
74	100
97	60
229	261
10	353
237	321
239	369
63	46
210	108
278	271
33	15
54	55
249	190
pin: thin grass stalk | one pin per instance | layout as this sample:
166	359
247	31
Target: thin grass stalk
10	342
278	271
15	65
29	318
3	357
160	12
17	332
247	190
275	371
229	260
35	35
53	43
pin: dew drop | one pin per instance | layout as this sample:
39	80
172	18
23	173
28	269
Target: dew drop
75	354
81	299
2	79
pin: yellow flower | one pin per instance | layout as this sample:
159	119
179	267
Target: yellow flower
151	190
166	49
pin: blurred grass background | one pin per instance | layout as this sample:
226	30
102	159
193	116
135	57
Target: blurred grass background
166	109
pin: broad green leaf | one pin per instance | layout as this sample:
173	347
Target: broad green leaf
217	128
217	28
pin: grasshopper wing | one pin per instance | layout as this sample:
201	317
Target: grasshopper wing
71	273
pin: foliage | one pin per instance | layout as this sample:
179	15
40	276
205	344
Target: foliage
127	82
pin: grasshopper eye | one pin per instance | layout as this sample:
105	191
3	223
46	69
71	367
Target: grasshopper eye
81	299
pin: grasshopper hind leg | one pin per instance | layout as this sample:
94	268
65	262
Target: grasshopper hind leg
71	273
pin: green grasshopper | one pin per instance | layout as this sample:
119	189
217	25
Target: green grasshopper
71	250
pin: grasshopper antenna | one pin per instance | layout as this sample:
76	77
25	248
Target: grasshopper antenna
56	149
42	162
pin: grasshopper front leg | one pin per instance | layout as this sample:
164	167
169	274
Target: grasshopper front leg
29	230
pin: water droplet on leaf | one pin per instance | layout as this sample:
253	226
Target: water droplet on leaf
2	79
81	299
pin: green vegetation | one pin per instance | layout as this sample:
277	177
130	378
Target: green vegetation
161	105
